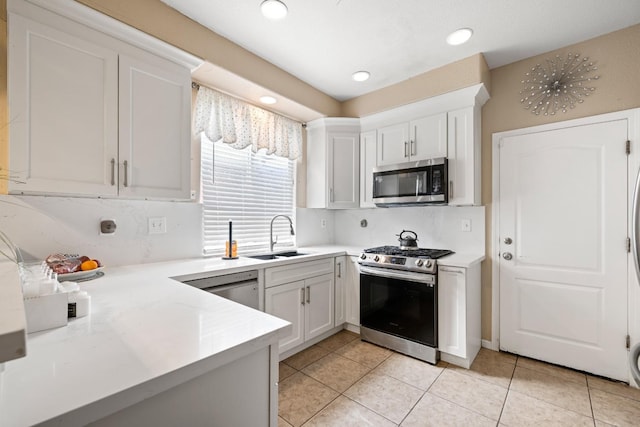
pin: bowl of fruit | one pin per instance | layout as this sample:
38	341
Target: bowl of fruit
73	266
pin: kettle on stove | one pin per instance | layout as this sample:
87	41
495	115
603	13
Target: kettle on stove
408	242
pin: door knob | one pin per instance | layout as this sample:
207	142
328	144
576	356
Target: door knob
507	256
508	241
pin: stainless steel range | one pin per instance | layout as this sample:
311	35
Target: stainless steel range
399	299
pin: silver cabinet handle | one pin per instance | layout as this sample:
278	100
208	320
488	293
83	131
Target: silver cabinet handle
406	146
451	189
413	145
302	296
508	256
339	269
308	294
126	180
113	171
331	195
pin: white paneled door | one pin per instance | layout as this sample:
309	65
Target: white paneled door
563	256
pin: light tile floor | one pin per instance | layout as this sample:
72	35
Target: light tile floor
343	381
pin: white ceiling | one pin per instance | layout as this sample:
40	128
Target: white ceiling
322	42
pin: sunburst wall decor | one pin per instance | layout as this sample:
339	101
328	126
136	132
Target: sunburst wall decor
558	85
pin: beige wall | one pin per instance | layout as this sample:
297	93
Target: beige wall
617	56
457	75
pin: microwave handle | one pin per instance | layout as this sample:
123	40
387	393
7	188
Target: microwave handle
451	189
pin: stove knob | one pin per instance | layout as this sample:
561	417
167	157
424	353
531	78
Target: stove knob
363	256
428	263
376	258
419	262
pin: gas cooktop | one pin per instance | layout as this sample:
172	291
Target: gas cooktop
411	253
417	260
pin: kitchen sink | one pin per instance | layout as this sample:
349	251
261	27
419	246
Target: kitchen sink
280	255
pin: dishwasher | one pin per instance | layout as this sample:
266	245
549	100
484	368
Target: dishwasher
238	287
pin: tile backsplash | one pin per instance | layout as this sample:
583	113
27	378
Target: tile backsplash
43	225
436	226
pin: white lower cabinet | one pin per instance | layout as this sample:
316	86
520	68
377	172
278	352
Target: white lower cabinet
459	331
319	306
287	302
352	292
308	303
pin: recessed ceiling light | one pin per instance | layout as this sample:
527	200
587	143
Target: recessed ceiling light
268	99
459	36
273	9
361	76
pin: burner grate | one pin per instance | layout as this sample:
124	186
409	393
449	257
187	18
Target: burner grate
413	253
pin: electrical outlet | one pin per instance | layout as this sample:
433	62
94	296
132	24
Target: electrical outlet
466	225
157	225
323	223
107	226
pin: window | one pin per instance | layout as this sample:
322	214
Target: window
249	189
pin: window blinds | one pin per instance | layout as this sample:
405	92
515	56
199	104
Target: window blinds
250	189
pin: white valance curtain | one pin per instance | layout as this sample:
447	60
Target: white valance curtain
240	125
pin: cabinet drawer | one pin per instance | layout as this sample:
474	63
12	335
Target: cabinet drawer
298	271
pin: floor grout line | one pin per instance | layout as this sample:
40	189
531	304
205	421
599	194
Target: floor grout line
371	369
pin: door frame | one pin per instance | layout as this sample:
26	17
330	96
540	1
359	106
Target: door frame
633	304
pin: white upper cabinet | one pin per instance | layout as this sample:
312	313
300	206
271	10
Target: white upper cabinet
64	111
154	142
419	139
333	163
367	163
428	137
447	126
464	157
393	144
91	115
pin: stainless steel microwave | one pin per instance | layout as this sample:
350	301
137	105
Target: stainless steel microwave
412	183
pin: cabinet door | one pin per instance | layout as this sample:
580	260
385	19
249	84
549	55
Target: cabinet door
452	332
319	305
428	137
340	291
464	157
393	144
352	288
155	112
64	110
367	163
287	302
344	170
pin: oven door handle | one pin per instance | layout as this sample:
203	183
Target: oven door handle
428	279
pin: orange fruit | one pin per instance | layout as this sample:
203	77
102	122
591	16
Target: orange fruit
88	265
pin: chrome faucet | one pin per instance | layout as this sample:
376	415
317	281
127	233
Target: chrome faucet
273	242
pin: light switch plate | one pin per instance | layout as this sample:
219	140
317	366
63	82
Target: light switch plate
157	225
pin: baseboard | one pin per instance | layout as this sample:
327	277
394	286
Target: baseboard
491	345
352	328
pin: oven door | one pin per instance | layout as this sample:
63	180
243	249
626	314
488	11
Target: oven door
400	303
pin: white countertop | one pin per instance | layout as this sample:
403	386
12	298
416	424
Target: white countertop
461	260
146	333
12	317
